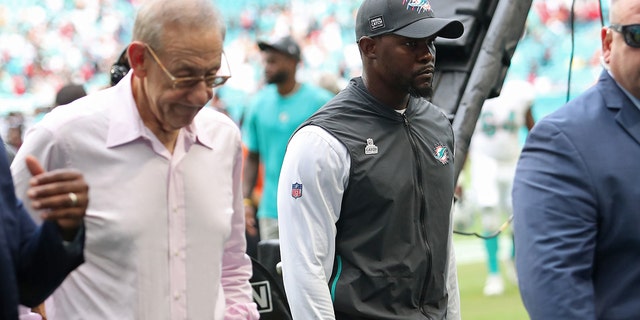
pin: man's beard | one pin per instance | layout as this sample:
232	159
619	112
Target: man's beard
421	90
278	77
426	93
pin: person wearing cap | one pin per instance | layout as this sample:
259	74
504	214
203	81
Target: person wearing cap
165	226
275	112
367	183
576	196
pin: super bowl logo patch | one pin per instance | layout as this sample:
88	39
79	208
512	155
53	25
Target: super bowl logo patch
441	153
370	148
296	190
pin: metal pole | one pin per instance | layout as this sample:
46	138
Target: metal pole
504	32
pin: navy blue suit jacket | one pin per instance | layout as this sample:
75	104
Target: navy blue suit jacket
33	260
576	201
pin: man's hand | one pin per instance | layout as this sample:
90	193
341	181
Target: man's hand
61	195
250	219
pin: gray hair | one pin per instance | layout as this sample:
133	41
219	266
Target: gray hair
154	15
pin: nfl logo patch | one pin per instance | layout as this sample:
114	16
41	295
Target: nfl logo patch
296	190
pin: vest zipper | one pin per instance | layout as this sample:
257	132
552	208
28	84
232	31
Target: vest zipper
423	230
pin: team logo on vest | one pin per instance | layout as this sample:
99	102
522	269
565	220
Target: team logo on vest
370	148
441	153
296	190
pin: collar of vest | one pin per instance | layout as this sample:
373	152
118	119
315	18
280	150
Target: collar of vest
375	104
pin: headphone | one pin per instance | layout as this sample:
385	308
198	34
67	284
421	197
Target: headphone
119	69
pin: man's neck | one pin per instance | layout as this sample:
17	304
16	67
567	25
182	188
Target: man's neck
288	88
167	137
394	99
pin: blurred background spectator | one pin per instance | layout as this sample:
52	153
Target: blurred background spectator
68	93
47	44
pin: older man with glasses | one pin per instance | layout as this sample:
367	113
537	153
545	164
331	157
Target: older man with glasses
165	226
576	195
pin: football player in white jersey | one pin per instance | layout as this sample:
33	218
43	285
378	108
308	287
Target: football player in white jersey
494	152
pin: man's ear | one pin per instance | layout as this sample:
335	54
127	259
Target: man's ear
606	37
137	57
368	47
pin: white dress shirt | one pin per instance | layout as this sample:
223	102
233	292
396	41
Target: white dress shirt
164	232
319	162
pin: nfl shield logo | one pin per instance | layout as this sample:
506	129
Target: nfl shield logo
296	190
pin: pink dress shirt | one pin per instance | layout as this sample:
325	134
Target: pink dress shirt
165	232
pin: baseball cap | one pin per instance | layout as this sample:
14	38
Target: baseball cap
408	18
284	45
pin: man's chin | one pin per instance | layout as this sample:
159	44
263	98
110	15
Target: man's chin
276	78
426	92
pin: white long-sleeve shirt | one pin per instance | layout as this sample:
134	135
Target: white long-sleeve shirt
320	163
164	231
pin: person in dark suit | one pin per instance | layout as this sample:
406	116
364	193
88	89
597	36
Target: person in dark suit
576	195
35	259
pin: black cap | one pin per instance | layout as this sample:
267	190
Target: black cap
284	45
408	18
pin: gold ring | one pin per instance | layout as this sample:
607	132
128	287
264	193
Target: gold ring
74	199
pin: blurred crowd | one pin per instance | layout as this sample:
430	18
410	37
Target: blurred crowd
544	53
47	44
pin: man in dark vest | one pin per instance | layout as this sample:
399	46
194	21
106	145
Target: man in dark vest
367	183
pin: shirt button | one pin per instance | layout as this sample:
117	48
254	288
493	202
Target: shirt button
176	296
177	253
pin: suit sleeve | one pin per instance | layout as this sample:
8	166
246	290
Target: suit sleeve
42	260
554	226
320	164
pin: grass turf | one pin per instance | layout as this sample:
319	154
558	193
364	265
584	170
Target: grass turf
475	306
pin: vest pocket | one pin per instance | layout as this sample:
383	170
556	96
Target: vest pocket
356	293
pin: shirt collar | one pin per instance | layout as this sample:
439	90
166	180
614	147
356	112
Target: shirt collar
631	97
193	135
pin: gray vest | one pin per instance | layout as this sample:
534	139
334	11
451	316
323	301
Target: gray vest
392	235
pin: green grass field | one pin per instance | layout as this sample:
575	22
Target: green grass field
472	272
475	306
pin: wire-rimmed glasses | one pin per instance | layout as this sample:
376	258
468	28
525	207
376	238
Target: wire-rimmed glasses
212	81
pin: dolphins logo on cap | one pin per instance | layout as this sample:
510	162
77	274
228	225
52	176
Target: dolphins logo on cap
420	5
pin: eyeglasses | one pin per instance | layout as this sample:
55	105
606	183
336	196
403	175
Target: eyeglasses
631	33
212	80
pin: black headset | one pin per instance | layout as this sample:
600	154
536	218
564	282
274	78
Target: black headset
120	68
